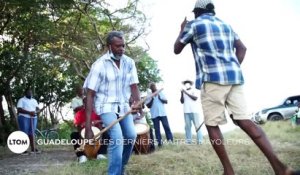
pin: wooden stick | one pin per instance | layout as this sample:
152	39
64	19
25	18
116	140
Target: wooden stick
126	114
81	148
199	127
33	135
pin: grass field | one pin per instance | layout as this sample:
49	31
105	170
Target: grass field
181	159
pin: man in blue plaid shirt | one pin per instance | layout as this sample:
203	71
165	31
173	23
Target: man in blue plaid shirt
218	53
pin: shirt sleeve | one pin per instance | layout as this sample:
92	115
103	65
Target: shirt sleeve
187	34
236	36
92	81
162	96
36	104
78	118
134	76
94	116
20	103
76	122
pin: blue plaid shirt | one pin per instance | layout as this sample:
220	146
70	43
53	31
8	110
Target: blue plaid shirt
212	43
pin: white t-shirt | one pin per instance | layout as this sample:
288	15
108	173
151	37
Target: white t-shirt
190	105
28	105
76	102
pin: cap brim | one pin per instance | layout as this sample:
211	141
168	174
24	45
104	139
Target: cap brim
187	81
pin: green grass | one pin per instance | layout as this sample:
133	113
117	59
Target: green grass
182	159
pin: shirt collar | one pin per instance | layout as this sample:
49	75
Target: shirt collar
205	14
107	56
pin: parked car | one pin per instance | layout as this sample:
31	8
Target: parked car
283	111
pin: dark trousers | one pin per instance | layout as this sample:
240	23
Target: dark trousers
152	146
165	123
103	147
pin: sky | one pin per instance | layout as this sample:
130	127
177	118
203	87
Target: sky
268	28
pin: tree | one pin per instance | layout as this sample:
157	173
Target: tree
51	44
146	67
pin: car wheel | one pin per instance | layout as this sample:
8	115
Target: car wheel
275	117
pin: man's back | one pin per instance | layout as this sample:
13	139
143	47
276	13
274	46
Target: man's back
213	35
212	42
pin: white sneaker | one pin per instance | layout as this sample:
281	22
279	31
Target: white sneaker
101	157
82	159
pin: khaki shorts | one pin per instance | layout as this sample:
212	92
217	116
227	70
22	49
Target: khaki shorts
216	99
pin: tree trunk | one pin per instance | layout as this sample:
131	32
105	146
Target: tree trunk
2	131
1	112
52	119
12	110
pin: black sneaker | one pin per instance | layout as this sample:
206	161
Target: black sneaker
25	153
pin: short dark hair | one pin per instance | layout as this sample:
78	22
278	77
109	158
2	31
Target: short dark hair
210	8
27	90
113	34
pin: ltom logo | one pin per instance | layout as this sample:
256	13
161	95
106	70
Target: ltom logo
18	142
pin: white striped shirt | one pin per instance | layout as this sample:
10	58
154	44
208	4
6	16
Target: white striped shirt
112	84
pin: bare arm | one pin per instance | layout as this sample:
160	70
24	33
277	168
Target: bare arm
23	111
162	100
240	50
193	97
88	112
178	46
38	110
135	94
181	97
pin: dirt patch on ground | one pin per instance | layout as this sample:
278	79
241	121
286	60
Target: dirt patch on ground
11	164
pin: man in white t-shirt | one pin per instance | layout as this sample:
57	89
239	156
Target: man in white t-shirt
191	114
27	117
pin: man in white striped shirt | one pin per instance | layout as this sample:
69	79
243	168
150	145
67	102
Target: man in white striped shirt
111	82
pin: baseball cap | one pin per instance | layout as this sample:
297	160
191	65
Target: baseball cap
202	3
188	81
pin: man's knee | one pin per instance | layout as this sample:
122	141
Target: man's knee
252	129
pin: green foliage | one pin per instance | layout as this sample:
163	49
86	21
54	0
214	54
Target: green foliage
65	130
147	72
146	67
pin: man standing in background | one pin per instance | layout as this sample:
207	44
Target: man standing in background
28	108
191	111
156	105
